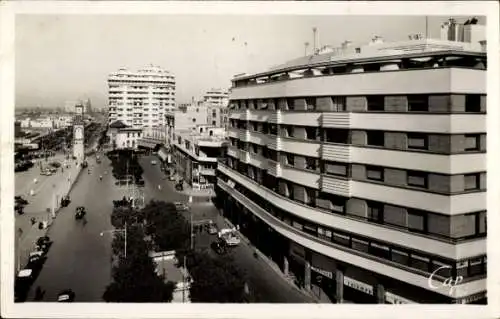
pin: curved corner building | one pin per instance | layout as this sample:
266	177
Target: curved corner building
363	174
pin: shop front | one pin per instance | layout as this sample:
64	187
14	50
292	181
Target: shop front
323	277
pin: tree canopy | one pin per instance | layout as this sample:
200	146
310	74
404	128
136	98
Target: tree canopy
168	227
135	278
215	279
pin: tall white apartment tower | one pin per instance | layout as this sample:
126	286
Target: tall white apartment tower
141	98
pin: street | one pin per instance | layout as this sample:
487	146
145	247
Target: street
80	259
263	281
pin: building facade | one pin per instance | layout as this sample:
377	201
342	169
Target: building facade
186	119
141	98
195	155
366	170
217	101
127	138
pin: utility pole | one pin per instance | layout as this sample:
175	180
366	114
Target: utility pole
184	280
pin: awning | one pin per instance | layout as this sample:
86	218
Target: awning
146	143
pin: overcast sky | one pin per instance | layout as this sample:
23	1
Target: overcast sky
62	58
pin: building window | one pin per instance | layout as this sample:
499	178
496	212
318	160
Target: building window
341	239
273	129
472	142
325	234
360	245
375	138
418	103
338	169
375	102
290	104
471	181
417	179
417	141
311	103
381	251
255	126
375	211
311	133
340	136
311	163
290	159
419	262
288	130
400	257
476	266
417	220
473	103
375	173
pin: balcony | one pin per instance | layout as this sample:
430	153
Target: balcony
239	114
232	151
274	142
207	171
233	132
336	152
244	135
257	138
336	120
336	186
273	168
244	156
275	117
258	161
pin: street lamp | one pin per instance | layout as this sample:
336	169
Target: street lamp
124	230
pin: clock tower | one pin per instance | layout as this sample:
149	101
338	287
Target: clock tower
78	136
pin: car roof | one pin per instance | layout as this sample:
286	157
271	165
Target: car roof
25	273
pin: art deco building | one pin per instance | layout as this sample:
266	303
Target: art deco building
140	99
362	172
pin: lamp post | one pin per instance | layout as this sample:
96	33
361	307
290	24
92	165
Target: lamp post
191	223
124	230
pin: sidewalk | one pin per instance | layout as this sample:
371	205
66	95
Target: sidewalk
47	197
271	263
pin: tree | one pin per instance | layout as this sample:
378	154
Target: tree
215	280
168	227
135	278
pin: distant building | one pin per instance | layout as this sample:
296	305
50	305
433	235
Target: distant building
141	98
186	119
127	138
195	154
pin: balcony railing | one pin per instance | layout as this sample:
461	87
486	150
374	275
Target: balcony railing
244	135
244	156
336	152
232	151
274	142
336	119
273	168
336	186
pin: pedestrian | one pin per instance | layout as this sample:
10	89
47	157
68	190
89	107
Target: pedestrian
33	221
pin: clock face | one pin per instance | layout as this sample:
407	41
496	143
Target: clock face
78	133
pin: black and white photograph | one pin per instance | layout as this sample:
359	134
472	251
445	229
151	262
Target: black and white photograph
197	156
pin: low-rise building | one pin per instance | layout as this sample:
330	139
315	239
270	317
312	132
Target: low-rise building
122	136
195	154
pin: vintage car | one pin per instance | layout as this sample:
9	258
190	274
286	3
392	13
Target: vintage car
66	295
80	212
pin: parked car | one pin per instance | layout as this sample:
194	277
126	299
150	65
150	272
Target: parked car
219	246
171	178
153	162
65	201
22	284
80	212
212	229
66	295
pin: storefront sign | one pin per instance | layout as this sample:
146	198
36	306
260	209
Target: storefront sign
325	273
395	299
358	285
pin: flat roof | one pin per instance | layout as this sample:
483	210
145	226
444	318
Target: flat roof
329	59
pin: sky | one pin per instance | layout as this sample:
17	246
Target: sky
61	58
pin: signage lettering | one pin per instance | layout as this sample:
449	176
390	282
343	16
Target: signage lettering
448	282
360	286
325	273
